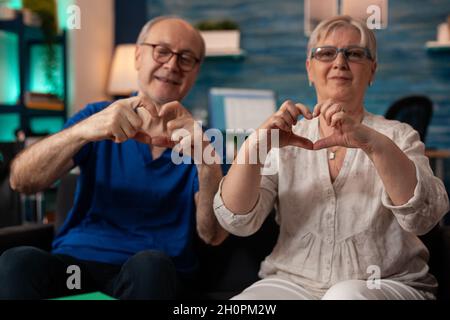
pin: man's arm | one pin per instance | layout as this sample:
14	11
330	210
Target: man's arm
38	166
208	228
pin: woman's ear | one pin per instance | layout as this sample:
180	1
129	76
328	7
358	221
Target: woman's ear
308	70
373	70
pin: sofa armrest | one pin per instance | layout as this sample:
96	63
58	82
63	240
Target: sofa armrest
36	235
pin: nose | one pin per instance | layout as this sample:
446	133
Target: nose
340	62
172	64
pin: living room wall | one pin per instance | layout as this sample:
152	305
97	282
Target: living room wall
273	38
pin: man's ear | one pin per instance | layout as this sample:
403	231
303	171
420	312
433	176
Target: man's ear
137	57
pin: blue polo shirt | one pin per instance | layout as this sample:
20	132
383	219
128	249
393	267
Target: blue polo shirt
127	202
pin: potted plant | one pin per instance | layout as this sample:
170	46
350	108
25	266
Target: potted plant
45	11
222	37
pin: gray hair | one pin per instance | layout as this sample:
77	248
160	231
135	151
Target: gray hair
150	24
325	27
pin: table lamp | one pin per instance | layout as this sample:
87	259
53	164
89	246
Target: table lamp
123	76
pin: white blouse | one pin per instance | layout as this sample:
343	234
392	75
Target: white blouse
330	232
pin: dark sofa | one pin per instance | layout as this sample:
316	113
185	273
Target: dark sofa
229	268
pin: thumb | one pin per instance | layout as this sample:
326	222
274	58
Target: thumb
143	137
163	142
295	140
325	143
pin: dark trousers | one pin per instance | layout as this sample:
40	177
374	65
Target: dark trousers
31	273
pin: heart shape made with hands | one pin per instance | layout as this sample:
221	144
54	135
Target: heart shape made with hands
291	138
163	141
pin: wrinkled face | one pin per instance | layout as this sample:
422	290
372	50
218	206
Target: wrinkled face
166	82
341	80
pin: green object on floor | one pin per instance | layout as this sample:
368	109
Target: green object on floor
88	296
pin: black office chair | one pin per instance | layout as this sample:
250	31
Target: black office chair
413	110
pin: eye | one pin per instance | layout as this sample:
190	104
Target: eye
187	59
163	51
325	53
356	54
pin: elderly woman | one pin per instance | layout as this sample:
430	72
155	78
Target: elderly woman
352	191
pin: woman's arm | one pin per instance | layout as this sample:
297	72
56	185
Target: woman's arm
240	188
395	169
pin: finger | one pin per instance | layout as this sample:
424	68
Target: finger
316	110
134	118
172	110
327	142
127	128
143	138
288	104
118	136
293	111
179	134
175	124
286	116
333	109
151	107
337	119
324	107
145	117
163	142
301	142
304	110
279	123
132	103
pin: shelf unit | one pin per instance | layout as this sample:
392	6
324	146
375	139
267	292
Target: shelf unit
28	37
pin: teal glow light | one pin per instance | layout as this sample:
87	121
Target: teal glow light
61	7
46	125
38	79
9	122
13	4
9	68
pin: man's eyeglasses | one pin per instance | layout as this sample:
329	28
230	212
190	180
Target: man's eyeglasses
186	61
352	53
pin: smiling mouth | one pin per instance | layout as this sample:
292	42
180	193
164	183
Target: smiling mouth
340	78
167	80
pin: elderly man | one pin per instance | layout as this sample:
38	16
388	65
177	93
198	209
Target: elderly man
132	226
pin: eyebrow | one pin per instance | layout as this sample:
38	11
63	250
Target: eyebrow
162	43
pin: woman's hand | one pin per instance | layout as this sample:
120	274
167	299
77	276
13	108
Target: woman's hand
284	119
346	131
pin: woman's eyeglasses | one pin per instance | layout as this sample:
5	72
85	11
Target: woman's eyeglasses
352	53
162	54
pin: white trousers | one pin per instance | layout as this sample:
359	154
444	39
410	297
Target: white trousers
273	288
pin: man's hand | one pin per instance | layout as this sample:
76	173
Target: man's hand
118	122
186	134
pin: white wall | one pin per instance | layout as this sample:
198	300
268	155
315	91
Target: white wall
90	51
